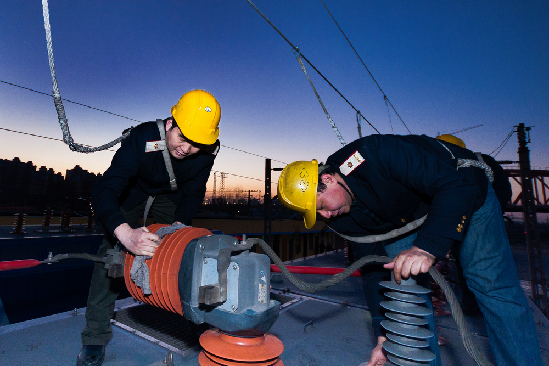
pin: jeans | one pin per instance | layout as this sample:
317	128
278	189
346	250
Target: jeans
104	290
490	272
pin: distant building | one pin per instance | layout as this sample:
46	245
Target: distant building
23	185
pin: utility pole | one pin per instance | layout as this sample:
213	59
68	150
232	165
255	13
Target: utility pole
267	202
250	201
214	187
535	260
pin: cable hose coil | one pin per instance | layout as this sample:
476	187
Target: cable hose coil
457	314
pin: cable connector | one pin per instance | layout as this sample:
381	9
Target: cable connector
114	262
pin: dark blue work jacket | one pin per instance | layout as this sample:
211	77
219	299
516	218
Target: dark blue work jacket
398	179
135	174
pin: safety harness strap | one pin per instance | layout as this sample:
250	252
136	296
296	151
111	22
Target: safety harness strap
166	154
169	168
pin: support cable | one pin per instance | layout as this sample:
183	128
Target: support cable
387	101
332	123
503	143
306	60
389	113
63	122
358	126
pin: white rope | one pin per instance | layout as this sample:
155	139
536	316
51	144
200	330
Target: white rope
63	122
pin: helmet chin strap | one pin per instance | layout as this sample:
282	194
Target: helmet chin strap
347	190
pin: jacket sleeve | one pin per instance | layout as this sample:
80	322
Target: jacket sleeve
452	193
108	189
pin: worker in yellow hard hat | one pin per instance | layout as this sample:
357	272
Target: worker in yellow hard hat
452	139
162	167
413	198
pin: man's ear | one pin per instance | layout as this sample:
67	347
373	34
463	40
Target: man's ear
328	179
168	124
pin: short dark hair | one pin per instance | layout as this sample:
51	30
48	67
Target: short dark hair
324	169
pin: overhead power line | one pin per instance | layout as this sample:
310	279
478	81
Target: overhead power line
69	101
503	143
111	113
385	97
309	62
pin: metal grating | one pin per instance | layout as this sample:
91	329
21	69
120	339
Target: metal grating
168	329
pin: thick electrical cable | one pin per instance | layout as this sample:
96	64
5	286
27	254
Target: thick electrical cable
332	123
58	102
363	64
306	60
457	313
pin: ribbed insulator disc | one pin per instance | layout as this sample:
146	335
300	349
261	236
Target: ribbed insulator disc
405	341
403	362
406	330
207	359
412	289
401	296
412	354
262	350
406	308
406	319
164	269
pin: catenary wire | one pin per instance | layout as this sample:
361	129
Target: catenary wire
503	143
387	101
111	113
309	62
55	139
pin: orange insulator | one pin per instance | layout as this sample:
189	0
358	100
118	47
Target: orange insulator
227	350
164	269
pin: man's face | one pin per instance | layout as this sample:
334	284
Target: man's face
335	200
177	145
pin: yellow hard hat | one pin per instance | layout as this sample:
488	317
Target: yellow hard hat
197	114
452	139
297	189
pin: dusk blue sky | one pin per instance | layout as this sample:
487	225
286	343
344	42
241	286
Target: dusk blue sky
444	65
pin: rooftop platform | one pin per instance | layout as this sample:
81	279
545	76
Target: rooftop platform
329	328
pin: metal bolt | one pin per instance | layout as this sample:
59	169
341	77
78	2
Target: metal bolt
235	267
205	261
234	308
201	247
262	273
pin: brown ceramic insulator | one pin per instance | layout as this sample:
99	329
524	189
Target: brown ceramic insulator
175	264
160	278
155	281
224	349
154	298
164	269
136	292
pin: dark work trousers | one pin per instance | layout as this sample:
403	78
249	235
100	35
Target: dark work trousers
104	290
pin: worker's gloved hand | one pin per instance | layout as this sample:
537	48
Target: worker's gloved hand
410	262
137	241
